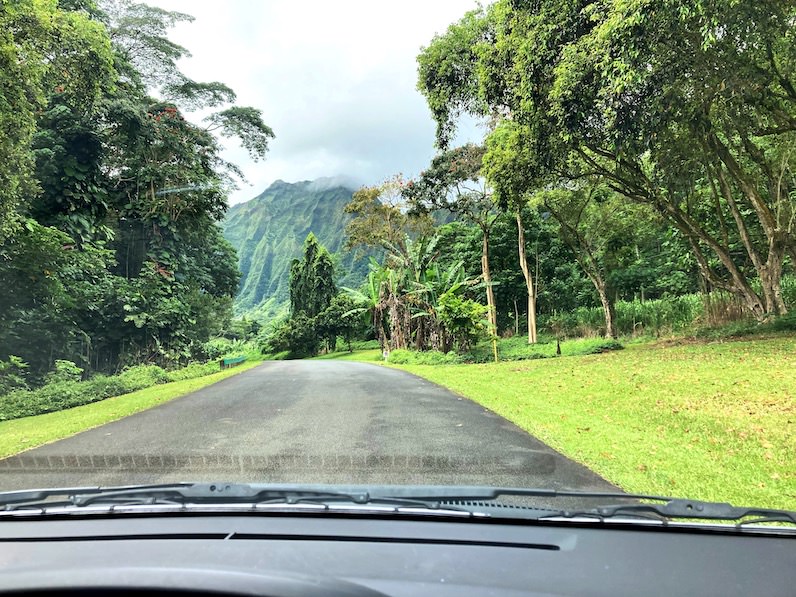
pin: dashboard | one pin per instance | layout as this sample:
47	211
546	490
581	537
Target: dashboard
292	555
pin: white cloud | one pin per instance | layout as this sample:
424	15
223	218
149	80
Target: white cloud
335	80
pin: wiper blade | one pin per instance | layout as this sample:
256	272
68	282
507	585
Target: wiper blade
448	498
661	507
249	493
205	493
10	500
673	509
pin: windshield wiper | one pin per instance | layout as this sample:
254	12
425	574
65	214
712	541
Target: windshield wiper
673	509
425	495
206	493
473	499
655	507
637	505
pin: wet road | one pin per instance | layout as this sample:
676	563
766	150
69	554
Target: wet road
305	422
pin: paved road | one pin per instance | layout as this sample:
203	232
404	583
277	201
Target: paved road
305	421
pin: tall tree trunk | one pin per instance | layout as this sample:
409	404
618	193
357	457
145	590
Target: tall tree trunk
738	284
609	308
634	184
769	273
516	318
771	277
528	279
490	293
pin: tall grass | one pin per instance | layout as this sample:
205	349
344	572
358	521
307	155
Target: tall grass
633	318
789	291
660	316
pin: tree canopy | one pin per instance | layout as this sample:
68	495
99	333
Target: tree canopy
110	198
686	109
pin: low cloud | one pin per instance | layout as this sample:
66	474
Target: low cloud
336	81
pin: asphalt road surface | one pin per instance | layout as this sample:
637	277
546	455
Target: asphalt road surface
305	422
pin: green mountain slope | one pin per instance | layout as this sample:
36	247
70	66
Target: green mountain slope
269	231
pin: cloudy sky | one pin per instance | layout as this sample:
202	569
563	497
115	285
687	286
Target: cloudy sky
335	80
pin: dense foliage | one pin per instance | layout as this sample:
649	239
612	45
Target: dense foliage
110	198
411	298
62	391
687	111
318	314
636	175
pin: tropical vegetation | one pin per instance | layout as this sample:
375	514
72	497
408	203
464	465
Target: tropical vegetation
635	178
110	196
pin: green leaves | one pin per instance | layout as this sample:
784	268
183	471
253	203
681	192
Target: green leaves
42	49
312	284
448	76
246	124
683	108
109	198
465	319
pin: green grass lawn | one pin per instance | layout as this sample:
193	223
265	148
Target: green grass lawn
713	421
23	434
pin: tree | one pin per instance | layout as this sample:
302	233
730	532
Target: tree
312	286
338	319
453	182
450	82
120	195
369	301
599	227
448	77
463	318
406	300
687	110
43	48
382	219
500	167
673	111
296	335
712	130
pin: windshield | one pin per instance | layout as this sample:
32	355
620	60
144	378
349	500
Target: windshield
539	245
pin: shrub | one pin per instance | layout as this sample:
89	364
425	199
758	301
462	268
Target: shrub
12	375
464	319
749	327
16	404
64	371
57	396
105	386
429	357
654	317
215	348
365	345
142	376
518	349
60	395
296	335
192	371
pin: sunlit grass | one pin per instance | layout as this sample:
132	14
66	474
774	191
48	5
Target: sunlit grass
26	433
712	421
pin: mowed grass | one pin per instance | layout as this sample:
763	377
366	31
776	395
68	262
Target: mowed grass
23	434
712	421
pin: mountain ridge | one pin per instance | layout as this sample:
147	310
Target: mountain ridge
268	232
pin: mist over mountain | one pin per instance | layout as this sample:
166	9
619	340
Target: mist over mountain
268	232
